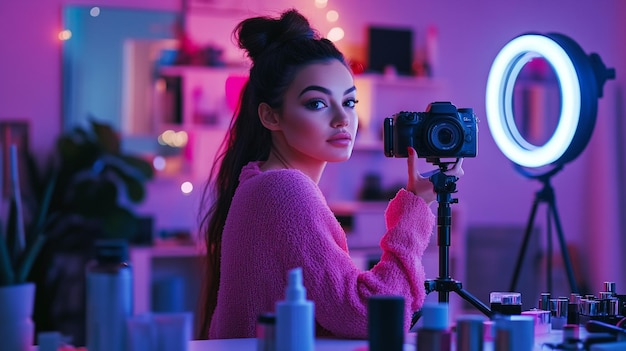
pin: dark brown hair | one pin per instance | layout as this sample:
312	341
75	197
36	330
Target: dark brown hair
279	48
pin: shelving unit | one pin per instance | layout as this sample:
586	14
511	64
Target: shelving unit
193	99
202	95
382	96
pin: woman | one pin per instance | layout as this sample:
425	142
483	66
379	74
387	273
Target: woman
267	214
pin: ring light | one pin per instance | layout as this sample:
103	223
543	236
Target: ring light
580	78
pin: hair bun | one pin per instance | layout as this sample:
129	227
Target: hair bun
259	34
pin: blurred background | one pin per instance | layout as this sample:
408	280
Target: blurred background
162	75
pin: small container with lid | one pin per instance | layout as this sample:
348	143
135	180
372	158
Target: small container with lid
470	333
434	334
558	308
507	303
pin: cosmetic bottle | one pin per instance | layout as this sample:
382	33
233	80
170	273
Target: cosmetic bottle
295	328
470	333
385	323
558	308
573	306
435	333
109	296
266	332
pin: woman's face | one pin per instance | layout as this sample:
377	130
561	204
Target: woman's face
318	121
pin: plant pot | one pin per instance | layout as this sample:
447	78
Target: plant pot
16	310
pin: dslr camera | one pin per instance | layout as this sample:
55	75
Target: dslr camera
442	131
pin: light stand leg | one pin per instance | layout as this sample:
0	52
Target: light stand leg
522	252
550	248
564	252
546	194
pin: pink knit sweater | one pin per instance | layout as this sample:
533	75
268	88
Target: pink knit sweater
280	220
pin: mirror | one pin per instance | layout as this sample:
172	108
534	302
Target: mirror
95	60
536	101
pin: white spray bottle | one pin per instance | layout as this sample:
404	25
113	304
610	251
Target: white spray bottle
295	317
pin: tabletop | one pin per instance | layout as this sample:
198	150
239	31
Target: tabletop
250	344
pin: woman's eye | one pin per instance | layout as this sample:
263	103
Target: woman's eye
315	105
351	103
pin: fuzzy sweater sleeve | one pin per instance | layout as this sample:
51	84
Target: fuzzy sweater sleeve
280	220
341	290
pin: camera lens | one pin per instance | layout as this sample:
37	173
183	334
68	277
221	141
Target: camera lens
445	137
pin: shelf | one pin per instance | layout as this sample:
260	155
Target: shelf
198	95
400	81
383	96
173	71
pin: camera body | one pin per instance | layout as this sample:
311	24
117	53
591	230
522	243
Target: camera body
442	131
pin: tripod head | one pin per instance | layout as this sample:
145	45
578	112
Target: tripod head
443	184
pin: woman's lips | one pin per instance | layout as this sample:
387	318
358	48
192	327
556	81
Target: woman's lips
340	139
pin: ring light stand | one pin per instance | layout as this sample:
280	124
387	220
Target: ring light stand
581	79
546	194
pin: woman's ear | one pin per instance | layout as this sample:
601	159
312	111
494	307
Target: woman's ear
268	117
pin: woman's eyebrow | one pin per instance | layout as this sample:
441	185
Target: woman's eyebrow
324	90
316	88
348	91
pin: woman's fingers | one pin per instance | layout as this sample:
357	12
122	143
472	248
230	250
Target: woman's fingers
457	169
417	184
412	159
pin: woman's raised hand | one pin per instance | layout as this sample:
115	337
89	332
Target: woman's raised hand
422	186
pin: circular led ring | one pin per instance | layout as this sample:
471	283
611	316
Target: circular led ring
499	100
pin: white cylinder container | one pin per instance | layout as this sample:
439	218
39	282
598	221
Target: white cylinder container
109	297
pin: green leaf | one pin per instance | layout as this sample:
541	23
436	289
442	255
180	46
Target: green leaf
134	172
143	166
134	189
77	152
106	137
44	206
7	276
94	197
120	223
29	257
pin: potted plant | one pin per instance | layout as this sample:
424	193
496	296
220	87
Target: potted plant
96	186
20	245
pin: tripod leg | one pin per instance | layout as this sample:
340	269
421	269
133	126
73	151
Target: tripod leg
520	257
566	258
448	285
474	301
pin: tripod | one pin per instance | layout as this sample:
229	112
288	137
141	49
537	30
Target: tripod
444	186
546	194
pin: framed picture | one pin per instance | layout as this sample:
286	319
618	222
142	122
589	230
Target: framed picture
12	132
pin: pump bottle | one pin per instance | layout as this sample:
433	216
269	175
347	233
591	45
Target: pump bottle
295	328
109	296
